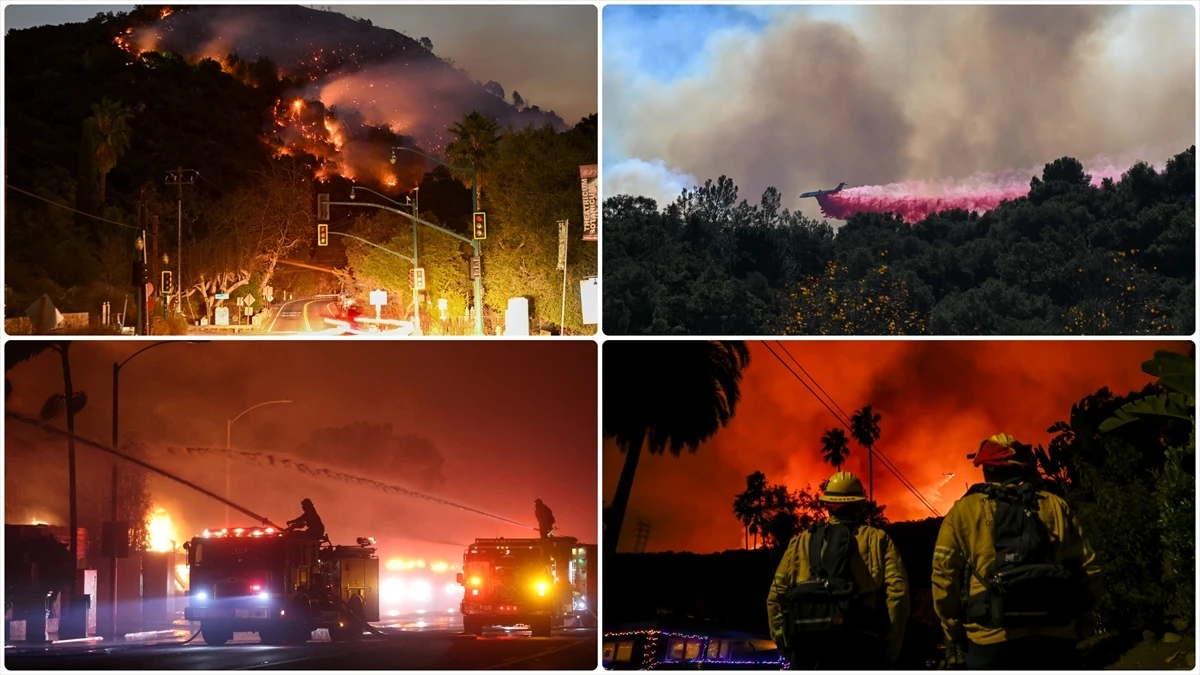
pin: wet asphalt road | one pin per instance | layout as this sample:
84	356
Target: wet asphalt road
396	649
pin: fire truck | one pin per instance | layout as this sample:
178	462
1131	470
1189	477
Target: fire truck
540	583
279	585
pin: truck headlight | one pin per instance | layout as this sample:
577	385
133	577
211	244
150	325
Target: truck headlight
264	596
201	596
542	587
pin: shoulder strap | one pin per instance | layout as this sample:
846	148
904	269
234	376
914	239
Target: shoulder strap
816	550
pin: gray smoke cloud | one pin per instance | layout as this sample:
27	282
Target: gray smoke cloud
905	93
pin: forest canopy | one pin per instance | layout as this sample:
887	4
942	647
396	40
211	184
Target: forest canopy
1068	258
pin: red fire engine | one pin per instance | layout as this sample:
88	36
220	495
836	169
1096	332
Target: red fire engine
281	586
540	583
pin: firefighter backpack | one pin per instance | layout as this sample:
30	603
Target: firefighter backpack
828	601
1023	589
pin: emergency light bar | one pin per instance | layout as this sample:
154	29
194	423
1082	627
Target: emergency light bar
241	532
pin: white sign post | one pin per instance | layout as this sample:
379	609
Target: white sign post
562	265
221	316
379	299
589	298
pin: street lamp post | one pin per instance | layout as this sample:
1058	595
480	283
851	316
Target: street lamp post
474	168
229	447
116	418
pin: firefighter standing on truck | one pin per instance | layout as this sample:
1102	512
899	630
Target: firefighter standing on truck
545	518
840	596
1014	579
315	529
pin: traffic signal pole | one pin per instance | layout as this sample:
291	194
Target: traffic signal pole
474	246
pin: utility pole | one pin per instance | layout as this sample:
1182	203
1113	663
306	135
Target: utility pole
179	178
643	535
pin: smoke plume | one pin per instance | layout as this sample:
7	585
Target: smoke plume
911	93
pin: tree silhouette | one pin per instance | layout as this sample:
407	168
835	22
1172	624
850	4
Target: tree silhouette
111	135
664	395
474	144
835	447
750	506
864	426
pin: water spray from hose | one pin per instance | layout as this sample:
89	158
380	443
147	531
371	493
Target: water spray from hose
44	426
260	459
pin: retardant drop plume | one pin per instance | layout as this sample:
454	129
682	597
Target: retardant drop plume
937	401
915	200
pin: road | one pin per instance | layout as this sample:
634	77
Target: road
306	315
398	648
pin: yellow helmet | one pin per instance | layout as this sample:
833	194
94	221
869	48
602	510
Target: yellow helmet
1003	450
843	487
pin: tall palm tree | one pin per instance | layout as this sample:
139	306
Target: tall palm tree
110	129
750	506
474	144
835	447
665	395
864	426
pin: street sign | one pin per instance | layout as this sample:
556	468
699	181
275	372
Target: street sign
588	174
221	316
476	267
443	305
222	296
379	298
323	233
250	299
150	290
416	279
241	300
562	245
269	294
248	310
479	231
168	283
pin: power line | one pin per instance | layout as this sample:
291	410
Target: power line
887	462
839	417
64	206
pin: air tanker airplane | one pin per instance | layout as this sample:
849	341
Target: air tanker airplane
818	193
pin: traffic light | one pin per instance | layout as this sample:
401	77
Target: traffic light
416	278
322	234
323	206
168	283
479	232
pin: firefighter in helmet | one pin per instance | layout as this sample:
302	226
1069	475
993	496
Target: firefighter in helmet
545	518
309	520
869	633
1009	536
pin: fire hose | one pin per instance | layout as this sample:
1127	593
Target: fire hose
133	460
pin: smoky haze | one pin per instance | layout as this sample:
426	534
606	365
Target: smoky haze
937	400
486	426
386	78
909	93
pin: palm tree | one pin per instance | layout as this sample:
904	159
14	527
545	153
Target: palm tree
835	447
864	426
110	129
18	352
749	506
665	395
476	138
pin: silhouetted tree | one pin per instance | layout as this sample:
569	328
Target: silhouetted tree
474	144
750	506
835	447
665	395
864	426
426	43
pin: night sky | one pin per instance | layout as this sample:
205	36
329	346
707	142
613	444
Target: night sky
938	400
513	421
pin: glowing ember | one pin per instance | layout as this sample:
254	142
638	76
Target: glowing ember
161	531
